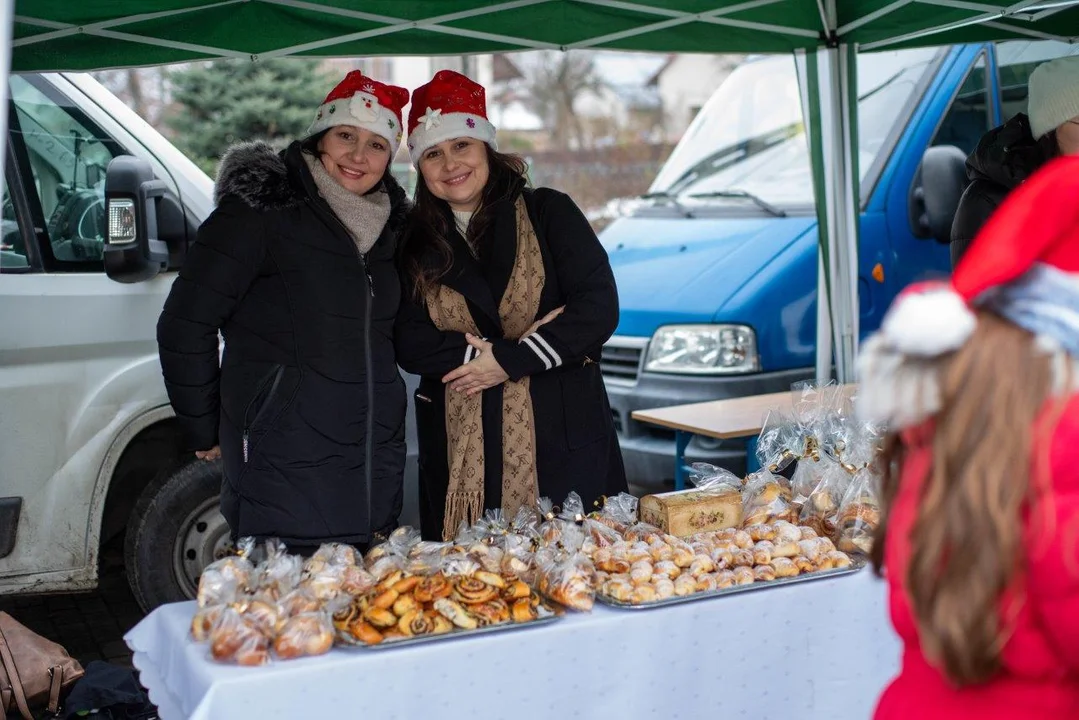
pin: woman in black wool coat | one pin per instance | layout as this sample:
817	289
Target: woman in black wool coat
508	299
296	269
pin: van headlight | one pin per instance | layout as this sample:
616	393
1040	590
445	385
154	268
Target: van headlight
703	350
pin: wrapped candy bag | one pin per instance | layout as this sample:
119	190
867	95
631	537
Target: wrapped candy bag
425	557
766	498
222	580
618	512
859	514
304	635
526	522
386	565
779	443
238	639
518	559
492	525
403	539
550	529
466	534
573	509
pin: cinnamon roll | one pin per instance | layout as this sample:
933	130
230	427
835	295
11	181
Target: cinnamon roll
472	591
432	588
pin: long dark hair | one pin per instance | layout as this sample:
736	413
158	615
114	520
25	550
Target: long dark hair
426	253
990	453
1049	146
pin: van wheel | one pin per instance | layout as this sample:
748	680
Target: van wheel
174	532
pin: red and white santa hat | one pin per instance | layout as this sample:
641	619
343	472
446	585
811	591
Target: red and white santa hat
450	106
1031	240
363	102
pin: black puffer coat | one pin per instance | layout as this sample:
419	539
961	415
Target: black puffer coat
1004	158
308	405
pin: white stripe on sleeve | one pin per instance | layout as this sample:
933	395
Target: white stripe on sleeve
547	346
535	348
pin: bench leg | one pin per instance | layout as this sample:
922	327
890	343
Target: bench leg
752	464
681	441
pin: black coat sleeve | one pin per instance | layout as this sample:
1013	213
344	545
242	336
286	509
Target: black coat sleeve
975	206
220	266
588	292
423	349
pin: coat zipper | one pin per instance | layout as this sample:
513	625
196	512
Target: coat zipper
369	440
275	376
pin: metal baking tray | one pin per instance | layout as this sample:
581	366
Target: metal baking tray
856	565
347	642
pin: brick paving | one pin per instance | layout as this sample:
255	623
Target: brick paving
91	625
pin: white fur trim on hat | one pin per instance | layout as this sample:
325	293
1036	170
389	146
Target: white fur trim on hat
434	127
894	390
928	324
1053	94
361	110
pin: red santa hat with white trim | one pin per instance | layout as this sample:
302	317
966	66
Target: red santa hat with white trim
366	103
1023	265
450	106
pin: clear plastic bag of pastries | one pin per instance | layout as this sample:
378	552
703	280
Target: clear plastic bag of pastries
766	498
821	506
223	579
859	513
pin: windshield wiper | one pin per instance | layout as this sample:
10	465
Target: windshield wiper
669	199
734	193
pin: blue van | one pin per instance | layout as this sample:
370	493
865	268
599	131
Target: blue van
717	264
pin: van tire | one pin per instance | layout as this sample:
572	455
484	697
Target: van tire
154	530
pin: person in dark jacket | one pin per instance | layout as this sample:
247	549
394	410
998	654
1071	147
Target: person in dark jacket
509	297
1006	156
296	269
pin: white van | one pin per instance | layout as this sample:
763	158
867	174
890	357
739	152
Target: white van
88	442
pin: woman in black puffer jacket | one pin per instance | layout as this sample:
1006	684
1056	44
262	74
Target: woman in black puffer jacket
1006	156
296	270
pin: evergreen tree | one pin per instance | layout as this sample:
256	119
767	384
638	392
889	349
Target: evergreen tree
229	101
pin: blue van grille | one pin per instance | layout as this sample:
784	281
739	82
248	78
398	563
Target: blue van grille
621	360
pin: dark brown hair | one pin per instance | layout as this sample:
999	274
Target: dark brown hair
966	545
426	254
1049	146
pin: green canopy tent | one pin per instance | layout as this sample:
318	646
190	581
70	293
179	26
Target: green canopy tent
825	34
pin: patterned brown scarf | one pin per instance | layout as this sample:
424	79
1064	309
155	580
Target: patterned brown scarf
464	414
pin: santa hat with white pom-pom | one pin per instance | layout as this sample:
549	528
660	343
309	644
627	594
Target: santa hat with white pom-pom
1023	266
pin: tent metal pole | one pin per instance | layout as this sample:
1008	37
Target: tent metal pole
7	23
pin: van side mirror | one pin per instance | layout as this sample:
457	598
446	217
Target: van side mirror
145	222
934	195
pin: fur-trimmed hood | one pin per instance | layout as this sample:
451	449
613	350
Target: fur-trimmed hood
265	179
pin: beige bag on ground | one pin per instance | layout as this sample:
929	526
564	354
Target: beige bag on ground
34	671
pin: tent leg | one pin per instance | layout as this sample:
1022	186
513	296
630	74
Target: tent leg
7	28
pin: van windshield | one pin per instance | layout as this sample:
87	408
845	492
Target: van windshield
750	136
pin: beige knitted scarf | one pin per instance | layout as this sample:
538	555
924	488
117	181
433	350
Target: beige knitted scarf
364	216
464	414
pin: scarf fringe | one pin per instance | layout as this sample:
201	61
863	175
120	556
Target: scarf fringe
461	506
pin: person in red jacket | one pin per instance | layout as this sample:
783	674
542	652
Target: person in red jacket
978	381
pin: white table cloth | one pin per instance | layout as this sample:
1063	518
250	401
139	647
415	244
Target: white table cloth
820	649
